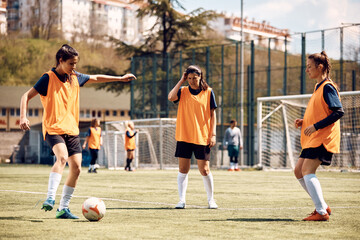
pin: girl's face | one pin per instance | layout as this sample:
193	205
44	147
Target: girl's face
312	70
69	65
193	80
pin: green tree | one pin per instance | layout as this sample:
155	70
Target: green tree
172	30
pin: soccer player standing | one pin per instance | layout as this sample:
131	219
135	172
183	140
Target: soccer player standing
320	132
195	130
130	144
59	93
94	140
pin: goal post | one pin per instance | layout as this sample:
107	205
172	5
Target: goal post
279	140
155	143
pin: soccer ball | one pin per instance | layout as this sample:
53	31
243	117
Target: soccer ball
93	209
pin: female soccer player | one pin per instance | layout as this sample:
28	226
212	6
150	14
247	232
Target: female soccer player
59	93
130	144
195	130
94	140
320	132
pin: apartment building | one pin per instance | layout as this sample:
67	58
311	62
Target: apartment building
79	20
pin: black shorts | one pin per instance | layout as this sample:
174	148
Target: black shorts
319	152
72	142
185	150
130	150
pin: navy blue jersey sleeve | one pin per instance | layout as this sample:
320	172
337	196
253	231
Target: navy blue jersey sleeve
82	78
331	97
178	94
212	100
88	133
41	86
128	134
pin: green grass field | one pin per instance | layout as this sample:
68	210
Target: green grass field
140	205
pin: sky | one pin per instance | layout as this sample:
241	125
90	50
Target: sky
297	16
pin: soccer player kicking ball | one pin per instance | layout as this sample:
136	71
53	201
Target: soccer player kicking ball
320	132
195	130
59	94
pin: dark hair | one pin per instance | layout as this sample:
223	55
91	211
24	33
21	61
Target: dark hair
322	58
93	122
232	121
197	70
65	52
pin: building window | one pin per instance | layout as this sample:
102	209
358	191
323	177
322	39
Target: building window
3	112
12	112
93	114
129	113
107	113
82	113
87	113
30	112
114	113
36	112
18	112
99	114
122	113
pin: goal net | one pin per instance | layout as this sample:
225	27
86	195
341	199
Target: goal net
279	145
155	143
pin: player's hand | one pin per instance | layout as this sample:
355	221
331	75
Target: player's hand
84	146
183	78
309	130
298	122
212	141
24	124
128	77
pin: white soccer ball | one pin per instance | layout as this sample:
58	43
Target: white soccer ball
93	209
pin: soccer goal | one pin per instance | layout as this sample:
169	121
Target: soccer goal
155	143
279	145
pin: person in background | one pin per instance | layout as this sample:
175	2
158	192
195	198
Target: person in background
233	143
320	132
94	141
130	144
195	130
59	91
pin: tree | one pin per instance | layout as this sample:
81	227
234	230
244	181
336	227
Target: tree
171	30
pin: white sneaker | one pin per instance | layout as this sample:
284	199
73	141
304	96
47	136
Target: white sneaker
180	205
212	204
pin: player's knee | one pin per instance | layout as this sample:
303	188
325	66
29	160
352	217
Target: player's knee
204	171
62	159
76	170
298	172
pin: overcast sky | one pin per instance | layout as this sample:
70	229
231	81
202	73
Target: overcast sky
296	16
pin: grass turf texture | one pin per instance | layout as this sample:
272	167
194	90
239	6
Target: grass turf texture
140	205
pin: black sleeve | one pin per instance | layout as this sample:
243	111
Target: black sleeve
212	100
178	94
128	134
333	117
82	78
41	86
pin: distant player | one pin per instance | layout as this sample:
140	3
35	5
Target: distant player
320	132
130	144
233	143
59	94
195	130
95	141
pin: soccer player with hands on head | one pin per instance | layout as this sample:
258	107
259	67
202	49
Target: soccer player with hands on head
195	130
320	132
59	94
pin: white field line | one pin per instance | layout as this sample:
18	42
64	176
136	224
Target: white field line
191	206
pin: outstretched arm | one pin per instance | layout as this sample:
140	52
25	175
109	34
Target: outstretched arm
107	78
24	122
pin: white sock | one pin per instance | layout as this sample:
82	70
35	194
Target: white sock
209	186
65	197
182	180
314	189
236	166
92	167
54	181
231	165
302	183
